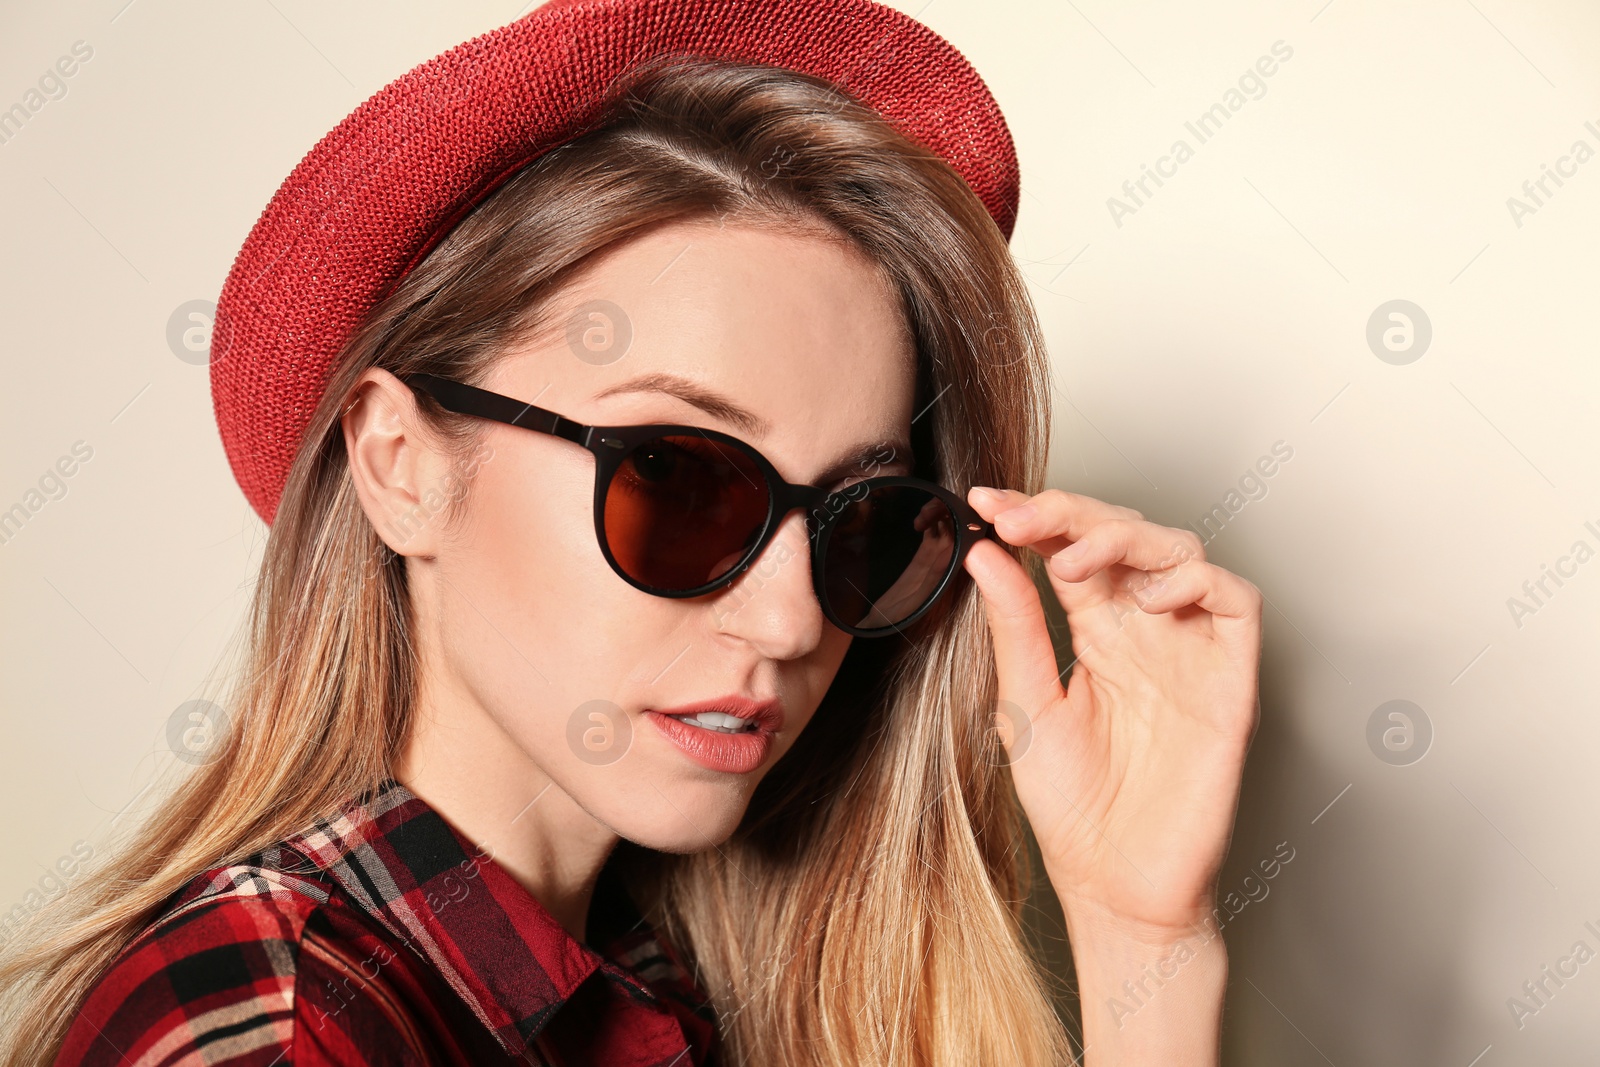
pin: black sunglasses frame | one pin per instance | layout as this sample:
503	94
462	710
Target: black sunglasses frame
611	445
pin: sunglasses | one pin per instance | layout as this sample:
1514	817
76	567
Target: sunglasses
682	511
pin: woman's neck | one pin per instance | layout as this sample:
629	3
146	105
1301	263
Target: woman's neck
511	809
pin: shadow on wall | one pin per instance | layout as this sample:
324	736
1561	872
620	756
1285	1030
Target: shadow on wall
1344	874
1374	897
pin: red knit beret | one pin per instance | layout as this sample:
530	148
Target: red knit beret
386	184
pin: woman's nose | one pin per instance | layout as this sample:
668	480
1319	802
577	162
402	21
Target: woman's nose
772	605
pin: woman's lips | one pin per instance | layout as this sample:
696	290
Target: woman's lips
738	753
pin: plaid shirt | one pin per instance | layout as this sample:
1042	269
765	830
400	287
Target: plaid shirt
383	936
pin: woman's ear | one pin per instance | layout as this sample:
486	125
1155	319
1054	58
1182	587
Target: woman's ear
397	466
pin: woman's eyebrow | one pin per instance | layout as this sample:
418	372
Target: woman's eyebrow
864	459
708	400
867	461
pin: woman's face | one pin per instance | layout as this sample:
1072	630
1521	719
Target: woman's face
540	663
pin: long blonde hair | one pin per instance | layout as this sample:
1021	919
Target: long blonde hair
868	908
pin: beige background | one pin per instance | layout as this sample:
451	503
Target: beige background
1225	314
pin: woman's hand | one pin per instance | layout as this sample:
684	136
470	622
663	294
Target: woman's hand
1130	774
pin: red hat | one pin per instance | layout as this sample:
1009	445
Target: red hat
375	194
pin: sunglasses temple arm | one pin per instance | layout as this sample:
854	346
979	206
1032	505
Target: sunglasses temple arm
971	519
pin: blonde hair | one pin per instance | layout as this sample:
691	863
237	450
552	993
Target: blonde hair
868	908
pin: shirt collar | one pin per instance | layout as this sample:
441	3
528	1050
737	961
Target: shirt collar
505	955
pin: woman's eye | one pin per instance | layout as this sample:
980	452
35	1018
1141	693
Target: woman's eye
654	463
855	513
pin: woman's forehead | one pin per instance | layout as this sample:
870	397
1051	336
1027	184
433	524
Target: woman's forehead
796	332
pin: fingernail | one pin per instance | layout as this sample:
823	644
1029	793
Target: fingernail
1073	552
992	494
1016	515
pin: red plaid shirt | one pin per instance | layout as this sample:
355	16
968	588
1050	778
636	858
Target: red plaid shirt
383	936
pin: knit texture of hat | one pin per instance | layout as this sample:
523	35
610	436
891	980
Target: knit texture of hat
378	191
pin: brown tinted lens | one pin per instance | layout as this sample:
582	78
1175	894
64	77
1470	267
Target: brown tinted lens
681	511
887	555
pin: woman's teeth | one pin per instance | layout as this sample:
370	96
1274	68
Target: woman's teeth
719	722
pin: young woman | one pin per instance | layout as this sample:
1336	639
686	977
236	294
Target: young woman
577	729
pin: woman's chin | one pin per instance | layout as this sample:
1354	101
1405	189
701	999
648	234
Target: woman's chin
685	824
